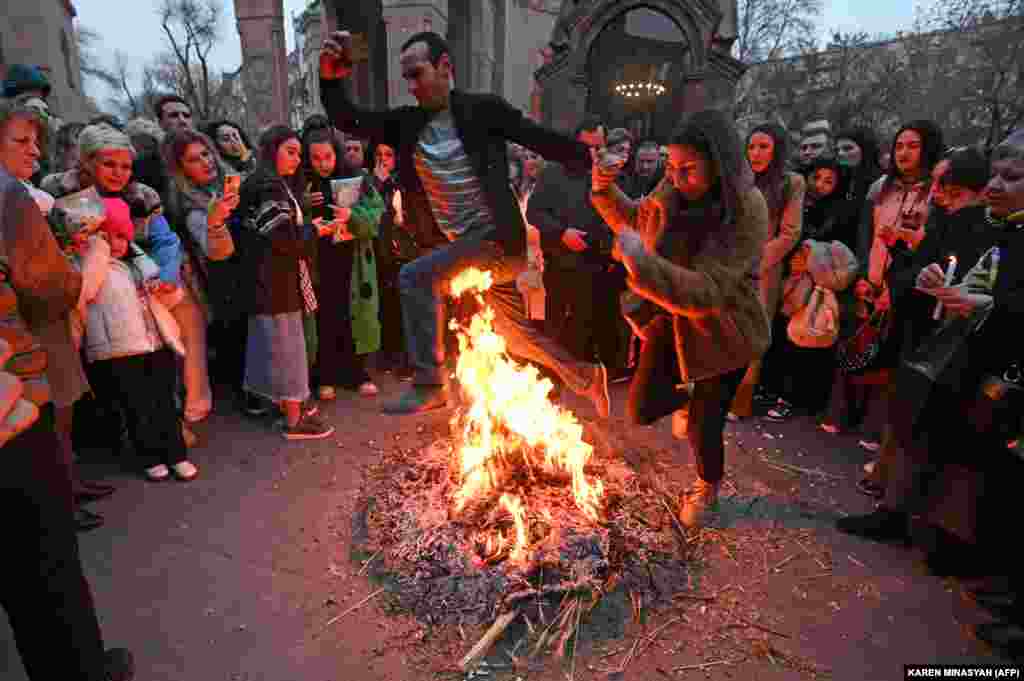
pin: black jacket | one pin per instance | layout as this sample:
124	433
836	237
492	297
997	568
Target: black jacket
486	123
274	243
965	234
561	201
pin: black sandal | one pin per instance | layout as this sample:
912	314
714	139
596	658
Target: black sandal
870	488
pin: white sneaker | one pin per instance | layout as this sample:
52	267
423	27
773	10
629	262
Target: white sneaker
327	392
158	473
869	467
368	389
870	445
185	471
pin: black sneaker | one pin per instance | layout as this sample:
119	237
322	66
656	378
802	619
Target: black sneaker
882	525
308	428
255	405
119	665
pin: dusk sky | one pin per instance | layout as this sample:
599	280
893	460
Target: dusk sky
132	27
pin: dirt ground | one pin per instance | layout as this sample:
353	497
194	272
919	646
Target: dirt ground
248	573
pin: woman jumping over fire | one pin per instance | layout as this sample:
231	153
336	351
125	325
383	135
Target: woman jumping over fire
691	250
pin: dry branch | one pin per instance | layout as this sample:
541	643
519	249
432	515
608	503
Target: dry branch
484	644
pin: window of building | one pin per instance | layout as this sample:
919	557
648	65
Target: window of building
65	47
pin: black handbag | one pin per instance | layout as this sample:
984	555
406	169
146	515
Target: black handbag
860	350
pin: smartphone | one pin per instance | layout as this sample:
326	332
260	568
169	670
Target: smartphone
232	184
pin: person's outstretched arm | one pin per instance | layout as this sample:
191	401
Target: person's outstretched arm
346	115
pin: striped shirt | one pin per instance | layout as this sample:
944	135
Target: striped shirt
455	192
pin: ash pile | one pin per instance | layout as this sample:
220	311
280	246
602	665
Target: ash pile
478	563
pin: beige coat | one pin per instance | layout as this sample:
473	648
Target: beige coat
782	239
720	324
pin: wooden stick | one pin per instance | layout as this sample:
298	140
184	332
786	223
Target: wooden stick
784	562
575	644
747	623
366	564
705	665
485	643
806	550
354	607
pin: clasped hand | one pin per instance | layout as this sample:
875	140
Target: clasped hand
628	248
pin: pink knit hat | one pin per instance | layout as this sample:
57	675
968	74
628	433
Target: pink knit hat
119	218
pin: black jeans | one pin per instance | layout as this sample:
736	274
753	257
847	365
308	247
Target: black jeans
44	591
143	387
654	393
581	311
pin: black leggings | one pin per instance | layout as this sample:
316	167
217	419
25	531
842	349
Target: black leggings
143	387
654	393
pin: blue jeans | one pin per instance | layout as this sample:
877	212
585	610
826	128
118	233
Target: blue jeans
425	284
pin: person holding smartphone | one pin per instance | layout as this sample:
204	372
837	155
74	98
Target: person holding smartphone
200	202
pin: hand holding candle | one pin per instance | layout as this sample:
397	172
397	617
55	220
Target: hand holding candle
950	273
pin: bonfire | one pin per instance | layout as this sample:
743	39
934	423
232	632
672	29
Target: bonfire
514	507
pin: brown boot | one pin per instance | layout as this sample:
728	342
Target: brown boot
697	503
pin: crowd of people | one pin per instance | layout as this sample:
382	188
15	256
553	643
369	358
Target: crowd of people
150	264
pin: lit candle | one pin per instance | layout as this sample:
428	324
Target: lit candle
950	272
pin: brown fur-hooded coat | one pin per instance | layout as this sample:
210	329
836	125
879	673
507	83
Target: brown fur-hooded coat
711	293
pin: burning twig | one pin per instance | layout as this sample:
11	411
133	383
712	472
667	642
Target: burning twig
484	644
354	607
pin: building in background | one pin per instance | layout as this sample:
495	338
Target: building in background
497	45
304	64
42	33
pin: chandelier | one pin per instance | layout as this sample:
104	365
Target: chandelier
641	82
640	89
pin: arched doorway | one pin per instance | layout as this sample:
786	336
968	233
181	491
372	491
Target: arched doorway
635	71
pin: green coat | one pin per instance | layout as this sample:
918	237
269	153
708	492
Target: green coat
364	225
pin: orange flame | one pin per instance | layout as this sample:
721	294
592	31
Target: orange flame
509	411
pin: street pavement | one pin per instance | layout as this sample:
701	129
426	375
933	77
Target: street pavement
237	575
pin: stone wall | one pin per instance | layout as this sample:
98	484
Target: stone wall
42	33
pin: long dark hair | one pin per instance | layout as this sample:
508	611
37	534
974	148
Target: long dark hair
772	182
325	136
712	134
270	142
932	148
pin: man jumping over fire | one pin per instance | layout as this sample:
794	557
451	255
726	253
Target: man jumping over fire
453	171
